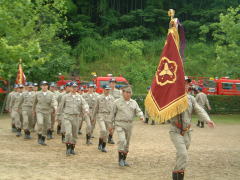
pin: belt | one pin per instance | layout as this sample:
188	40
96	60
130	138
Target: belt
104	113
183	130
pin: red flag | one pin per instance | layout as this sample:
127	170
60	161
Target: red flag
167	96
21	78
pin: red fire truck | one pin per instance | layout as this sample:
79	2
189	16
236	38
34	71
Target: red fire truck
218	86
101	81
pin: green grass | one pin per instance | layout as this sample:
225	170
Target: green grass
223	118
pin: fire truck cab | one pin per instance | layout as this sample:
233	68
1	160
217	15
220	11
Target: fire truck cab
101	81
3	86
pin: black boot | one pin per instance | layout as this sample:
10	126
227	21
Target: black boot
120	159
79	132
124	159
39	139
27	134
63	138
14	129
68	149
146	120
72	149
88	139
198	123
110	140
104	147
49	134
43	141
153	122
100	144
178	175
58	129
19	132
202	124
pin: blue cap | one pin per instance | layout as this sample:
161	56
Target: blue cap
68	84
30	84
52	84
200	89
107	87
91	85
20	86
44	83
81	88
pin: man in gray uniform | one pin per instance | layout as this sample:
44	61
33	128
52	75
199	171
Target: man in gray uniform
72	104
102	110
7	107
44	102
124	111
27	104
60	114
202	100
180	132
15	107
116	93
91	98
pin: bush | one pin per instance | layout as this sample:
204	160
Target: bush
219	104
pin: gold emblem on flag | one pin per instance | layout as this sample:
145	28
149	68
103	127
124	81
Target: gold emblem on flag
166	73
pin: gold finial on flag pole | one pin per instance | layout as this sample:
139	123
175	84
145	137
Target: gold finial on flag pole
20	61
171	13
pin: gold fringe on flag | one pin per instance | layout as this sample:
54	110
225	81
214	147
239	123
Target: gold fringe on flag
166	113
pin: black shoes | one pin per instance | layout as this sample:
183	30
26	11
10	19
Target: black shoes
146	120
49	134
27	135
110	140
88	139
63	138
102	145
70	149
58	129
178	175
122	159
41	140
18	134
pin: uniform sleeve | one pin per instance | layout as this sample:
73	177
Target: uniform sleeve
54	102
35	101
85	106
200	111
12	100
95	109
139	112
8	102
113	112
207	103
61	105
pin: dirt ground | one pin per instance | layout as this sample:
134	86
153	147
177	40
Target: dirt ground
214	155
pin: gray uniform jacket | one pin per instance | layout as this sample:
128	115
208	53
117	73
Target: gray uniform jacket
27	99
44	103
15	103
202	100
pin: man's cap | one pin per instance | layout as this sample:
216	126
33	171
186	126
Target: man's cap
200	89
26	83
68	84
52	84
107	87
30	84
81	88
127	89
91	85
15	85
187	79
113	80
149	87
35	84
74	84
20	86
44	83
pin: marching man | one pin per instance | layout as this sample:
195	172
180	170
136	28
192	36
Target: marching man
124	111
